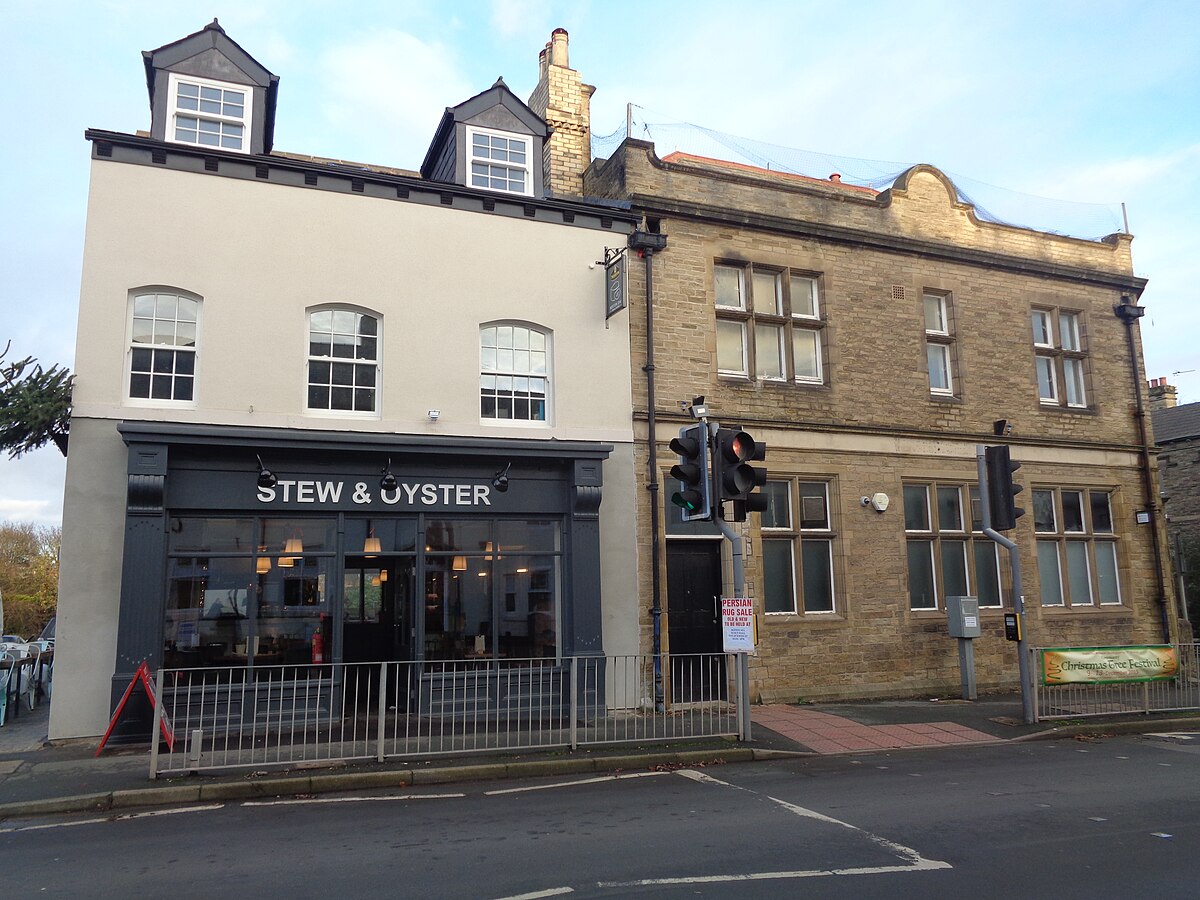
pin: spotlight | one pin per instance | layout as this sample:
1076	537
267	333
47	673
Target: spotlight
266	478
388	481
500	479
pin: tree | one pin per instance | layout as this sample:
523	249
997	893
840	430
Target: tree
28	575
35	405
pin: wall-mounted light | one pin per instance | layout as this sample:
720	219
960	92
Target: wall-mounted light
500	479
1002	427
434	414
266	478
388	481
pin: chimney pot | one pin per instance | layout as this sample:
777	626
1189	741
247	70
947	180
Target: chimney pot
836	177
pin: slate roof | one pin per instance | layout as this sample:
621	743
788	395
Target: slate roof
1176	423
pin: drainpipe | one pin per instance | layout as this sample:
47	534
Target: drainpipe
1129	312
646	242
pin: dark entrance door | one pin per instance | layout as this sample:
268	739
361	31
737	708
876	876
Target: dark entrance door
693	617
377	622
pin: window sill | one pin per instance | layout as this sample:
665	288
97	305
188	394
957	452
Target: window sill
1052	407
793	618
944	398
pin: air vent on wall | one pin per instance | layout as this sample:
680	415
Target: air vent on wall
898	292
310	178
489	204
356	185
261	171
211	164
159	157
103	149
402	193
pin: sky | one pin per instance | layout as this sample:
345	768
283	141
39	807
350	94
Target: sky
1094	101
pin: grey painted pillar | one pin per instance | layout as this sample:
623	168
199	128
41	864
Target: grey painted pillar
139	627
582	628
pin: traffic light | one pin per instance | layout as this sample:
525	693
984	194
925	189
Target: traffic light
736	479
1002	490
695	494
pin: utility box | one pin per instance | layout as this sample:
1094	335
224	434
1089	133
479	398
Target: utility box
963	613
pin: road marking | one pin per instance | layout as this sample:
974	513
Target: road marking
916	861
1097	819
565	784
300	801
1174	735
549	892
925	866
121	818
1160	834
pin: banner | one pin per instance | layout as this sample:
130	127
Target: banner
1107	665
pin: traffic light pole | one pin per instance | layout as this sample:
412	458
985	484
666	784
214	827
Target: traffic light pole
1014	559
743	660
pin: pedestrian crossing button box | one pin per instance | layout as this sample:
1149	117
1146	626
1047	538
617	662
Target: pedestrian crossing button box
963	613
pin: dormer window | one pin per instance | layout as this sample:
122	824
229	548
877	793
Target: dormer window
500	161
209	113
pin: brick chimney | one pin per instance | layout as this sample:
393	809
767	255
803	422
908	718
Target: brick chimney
1162	395
564	102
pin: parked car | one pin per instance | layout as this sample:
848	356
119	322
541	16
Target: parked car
48	632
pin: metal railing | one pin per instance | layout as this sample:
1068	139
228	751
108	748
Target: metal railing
284	715
1077	701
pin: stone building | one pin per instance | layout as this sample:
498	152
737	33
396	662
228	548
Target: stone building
873	339
1177	433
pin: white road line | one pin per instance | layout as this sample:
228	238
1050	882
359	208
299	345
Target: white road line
549	892
565	784
121	818
906	853
925	866
311	800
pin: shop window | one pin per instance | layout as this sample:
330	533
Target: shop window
797	548
1060	358
492	590
1076	548
514	380
948	554
256	598
162	347
343	361
769	324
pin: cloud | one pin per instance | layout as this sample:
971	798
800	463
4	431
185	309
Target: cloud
382	95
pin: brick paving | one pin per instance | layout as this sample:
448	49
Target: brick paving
825	733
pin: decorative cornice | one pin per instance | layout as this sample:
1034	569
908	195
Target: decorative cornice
665	206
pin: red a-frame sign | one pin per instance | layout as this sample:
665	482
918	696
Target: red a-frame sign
142	675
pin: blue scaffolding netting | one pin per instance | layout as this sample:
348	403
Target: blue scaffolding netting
1089	221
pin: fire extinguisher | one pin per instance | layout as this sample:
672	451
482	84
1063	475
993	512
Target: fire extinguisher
318	643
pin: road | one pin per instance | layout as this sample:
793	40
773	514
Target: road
1115	817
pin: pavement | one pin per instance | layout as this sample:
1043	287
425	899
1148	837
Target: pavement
39	777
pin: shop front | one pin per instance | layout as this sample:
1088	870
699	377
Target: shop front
259	549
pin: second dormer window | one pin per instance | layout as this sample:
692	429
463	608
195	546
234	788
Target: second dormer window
500	161
209	113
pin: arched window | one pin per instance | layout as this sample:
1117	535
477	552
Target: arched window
343	361
162	355
514	381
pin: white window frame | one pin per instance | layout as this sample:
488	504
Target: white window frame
377	362
775	317
1062	355
131	346
939	343
526	167
548	337
174	112
937	535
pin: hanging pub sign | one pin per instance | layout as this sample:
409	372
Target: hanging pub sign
615	282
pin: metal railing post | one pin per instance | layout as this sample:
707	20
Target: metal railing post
158	711
574	688
382	713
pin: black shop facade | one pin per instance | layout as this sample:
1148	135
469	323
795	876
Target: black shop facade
261	548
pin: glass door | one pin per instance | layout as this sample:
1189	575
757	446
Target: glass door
377	621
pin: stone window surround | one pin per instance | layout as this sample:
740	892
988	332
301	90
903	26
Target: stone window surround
1089	534
1057	357
935	534
795	535
780	316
